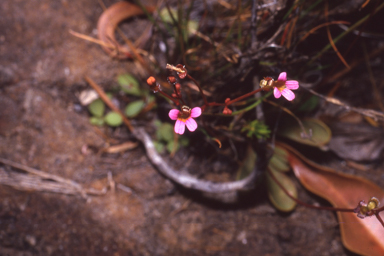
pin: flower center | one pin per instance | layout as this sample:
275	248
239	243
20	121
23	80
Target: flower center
281	88
184	114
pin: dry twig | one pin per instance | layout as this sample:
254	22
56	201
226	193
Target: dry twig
42	181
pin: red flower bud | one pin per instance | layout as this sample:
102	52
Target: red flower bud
151	81
155	87
227	111
171	79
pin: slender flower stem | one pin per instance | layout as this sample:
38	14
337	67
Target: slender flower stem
244	96
201	90
178	95
211	104
241	110
379	218
206	103
169	97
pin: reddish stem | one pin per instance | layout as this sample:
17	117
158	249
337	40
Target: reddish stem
177	93
243	97
234	100
380	209
379	218
169	97
206	103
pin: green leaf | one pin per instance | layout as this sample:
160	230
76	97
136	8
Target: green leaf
247	165
157	123
321	134
166	17
129	85
109	95
171	145
97	108
158	146
192	25
113	119
96	121
151	98
184	141
165	132
257	129
279	161
134	108
276	195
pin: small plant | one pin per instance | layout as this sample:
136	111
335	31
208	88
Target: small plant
281	190
131	88
224	119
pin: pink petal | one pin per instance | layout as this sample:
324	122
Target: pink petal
191	124
195	112
277	93
179	127
292	85
288	94
173	114
282	76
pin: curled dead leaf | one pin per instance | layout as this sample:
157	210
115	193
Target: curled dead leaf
362	236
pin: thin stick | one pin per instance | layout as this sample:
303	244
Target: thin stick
331	40
61	185
350	29
91	39
253	24
291	114
107	101
200	89
320	26
41	174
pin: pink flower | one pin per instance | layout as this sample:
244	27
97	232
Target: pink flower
184	117
284	87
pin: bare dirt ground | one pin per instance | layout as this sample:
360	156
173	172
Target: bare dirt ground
43	126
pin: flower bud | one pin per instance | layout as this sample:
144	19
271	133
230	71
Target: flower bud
151	81
227	111
155	87
171	79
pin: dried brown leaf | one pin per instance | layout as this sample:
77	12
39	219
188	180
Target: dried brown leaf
122	147
362	236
